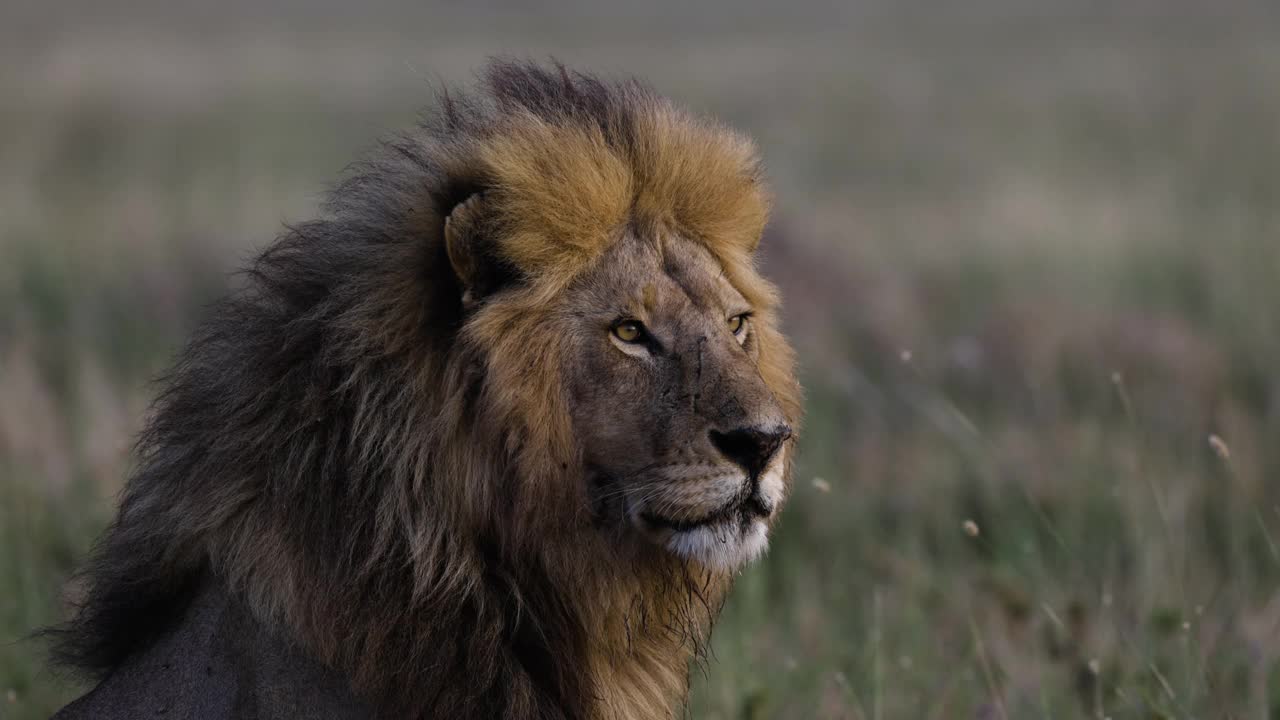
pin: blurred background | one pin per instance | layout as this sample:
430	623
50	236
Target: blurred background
1031	260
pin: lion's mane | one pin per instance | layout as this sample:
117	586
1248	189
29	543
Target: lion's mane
382	475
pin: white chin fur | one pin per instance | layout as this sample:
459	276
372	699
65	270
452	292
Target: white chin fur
725	546
728	546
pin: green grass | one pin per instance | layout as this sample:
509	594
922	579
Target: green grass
1035	271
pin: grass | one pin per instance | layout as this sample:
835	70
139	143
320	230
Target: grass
1029	259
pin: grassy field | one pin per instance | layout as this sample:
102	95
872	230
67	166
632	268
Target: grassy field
1032	262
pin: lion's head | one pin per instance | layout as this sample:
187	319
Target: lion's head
682	438
491	436
621	231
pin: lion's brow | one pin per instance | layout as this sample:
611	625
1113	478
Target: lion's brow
684	273
649	296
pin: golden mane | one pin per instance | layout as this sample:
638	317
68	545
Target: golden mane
562	188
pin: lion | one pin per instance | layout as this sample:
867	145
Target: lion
489	438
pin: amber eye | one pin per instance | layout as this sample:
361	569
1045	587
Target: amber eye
629	331
738	323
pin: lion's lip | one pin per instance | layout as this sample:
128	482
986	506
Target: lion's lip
745	510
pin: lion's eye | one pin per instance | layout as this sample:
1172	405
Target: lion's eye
738	323
629	331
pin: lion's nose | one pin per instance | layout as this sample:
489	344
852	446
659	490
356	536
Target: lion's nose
750	448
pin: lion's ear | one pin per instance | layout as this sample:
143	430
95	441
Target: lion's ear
479	271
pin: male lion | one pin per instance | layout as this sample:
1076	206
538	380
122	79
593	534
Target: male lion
489	439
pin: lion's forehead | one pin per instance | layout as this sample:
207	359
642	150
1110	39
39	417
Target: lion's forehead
663	276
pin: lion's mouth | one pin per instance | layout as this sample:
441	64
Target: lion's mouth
742	511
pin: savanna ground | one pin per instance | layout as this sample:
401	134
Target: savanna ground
1032	259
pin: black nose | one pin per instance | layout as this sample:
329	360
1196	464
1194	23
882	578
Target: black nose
750	448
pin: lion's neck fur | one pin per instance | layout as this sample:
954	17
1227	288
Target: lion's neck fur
646	619
647	681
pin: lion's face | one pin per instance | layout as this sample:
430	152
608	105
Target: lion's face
683	442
